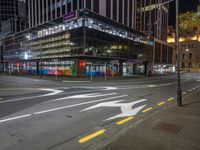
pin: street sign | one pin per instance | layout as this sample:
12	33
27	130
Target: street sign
70	16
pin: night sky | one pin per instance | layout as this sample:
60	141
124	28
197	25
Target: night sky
184	5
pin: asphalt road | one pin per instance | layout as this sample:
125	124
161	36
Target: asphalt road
53	115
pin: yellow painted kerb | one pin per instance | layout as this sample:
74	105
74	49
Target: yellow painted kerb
124	120
148	109
161	103
91	136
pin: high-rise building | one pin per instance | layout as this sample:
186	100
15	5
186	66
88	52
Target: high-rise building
154	18
83	38
122	11
13	16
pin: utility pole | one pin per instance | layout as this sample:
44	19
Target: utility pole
179	93
40	61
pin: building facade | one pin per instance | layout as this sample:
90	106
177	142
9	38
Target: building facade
189	53
13	18
82	38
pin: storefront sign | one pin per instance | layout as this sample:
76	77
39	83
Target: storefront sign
70	16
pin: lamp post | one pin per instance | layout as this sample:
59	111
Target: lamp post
179	93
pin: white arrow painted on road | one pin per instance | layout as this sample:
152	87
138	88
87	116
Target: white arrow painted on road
54	92
126	108
91	95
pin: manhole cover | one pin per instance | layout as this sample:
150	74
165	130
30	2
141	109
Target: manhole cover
167	127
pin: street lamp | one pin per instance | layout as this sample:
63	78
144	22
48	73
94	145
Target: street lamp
179	93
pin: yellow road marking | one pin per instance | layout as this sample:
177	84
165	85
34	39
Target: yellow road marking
91	136
124	120
161	103
148	109
170	99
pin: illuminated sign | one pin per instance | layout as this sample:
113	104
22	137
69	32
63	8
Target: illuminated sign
70	16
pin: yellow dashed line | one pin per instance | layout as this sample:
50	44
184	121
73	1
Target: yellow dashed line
91	136
170	99
148	109
161	103
124	120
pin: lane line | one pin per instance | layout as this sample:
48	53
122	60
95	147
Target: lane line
53	92
60	108
90	95
184	93
171	99
76	81
125	120
161	103
148	109
189	90
91	136
14	118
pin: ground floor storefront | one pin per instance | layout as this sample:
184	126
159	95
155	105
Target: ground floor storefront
79	67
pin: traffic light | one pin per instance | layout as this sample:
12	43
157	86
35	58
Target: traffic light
82	63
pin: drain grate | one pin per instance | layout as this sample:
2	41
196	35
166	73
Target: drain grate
167	127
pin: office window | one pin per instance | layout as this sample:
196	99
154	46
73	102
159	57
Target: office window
75	5
96	6
81	4
69	4
114	10
63	6
183	56
58	7
130	13
120	10
125	11
108	8
88	4
190	55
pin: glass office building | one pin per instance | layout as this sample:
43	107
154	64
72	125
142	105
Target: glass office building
80	38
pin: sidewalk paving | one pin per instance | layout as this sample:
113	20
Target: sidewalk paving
174	128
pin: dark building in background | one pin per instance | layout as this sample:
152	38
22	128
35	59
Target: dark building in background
13	18
154	22
82	38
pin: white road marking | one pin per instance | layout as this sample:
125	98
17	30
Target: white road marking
53	92
126	108
14	118
60	108
91	95
76	81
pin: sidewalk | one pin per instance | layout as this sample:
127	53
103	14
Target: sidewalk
175	128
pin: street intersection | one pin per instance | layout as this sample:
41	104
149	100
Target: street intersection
55	115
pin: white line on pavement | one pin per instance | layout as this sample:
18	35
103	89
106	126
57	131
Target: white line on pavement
91	95
14	118
60	108
53	92
76	81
